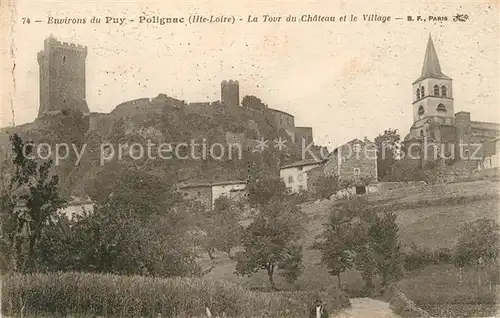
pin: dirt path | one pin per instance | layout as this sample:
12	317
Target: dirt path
367	307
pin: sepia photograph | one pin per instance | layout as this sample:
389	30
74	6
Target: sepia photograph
249	159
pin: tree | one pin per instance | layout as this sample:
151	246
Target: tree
262	190
111	241
338	242
365	263
270	242
478	243
253	102
222	226
356	237
133	190
386	248
33	186
388	147
326	186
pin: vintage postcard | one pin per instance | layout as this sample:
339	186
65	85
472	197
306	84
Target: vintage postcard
249	158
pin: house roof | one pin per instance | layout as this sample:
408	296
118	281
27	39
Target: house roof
302	163
431	67
355	140
73	201
314	170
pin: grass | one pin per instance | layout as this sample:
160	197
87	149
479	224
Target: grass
87	295
445	290
429	216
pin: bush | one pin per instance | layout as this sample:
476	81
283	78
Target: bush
420	258
135	296
304	196
478	243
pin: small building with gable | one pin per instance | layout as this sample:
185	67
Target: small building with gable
295	175
207	192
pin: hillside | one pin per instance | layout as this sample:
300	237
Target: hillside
158	121
428	216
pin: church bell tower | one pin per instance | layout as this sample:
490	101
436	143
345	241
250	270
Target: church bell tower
432	95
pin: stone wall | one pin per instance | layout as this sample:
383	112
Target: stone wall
388	186
203	194
404	307
304	133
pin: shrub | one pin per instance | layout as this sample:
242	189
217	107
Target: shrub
478	243
417	258
135	296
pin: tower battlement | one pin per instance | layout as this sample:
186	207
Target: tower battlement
230	93
230	82
51	44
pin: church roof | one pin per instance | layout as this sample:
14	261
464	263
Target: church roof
431	67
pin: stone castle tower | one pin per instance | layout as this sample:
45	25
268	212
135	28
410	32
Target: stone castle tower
230	93
432	94
62	77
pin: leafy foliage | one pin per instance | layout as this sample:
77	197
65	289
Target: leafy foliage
253	102
478	243
264	189
270	242
110	241
222	225
326	186
383	234
388	147
357	237
338	243
32	186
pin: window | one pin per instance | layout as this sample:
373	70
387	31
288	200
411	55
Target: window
441	108
300	177
436	90
443	91
356	171
422	133
301	188
357	148
422	92
64	59
418	93
186	194
420	110
290	179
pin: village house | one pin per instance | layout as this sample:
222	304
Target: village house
490	155
295	175
75	207
355	160
207	192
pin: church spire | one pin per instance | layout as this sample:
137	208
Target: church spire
431	67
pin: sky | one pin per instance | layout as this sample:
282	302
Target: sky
346	80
